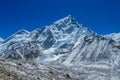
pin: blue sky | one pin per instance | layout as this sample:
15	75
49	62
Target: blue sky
102	16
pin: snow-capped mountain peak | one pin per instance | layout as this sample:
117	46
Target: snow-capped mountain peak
68	26
19	35
23	31
69	20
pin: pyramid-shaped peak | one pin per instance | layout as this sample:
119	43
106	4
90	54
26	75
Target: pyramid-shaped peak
69	17
22	31
66	20
19	35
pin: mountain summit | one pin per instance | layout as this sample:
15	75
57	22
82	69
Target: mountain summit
69	19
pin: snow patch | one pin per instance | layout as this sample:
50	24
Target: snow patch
48	51
55	57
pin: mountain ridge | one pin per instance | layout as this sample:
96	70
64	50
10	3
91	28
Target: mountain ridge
62	32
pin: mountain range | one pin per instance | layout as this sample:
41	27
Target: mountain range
66	46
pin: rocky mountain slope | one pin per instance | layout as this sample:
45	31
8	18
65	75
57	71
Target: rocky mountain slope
68	48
